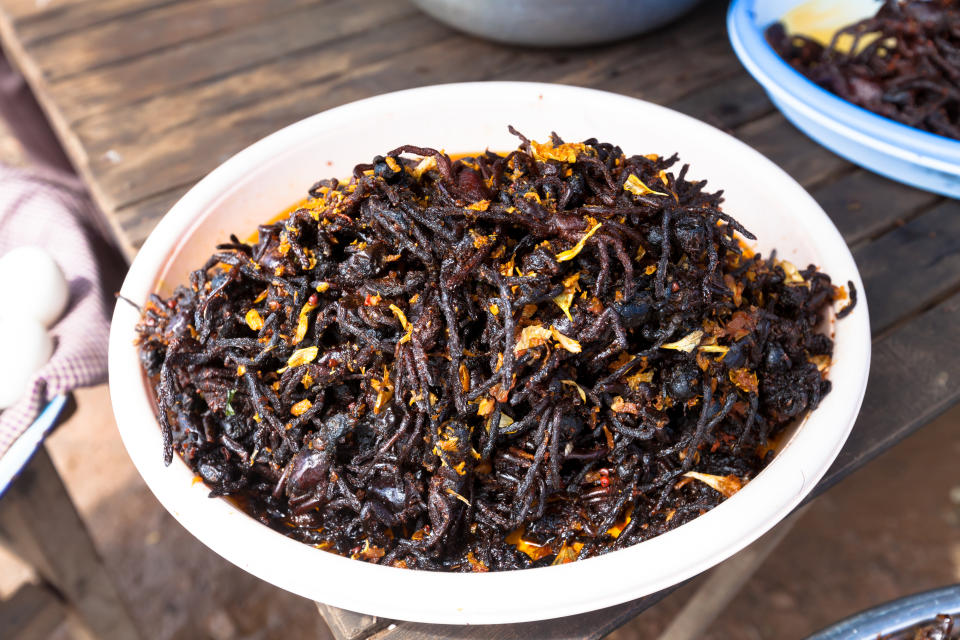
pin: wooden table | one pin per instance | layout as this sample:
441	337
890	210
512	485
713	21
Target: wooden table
149	95
41	525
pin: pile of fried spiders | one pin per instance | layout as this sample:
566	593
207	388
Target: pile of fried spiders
489	362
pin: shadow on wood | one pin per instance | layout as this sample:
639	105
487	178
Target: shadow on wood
40	524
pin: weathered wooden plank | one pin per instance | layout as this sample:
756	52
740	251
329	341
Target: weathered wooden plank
728	103
914	377
187	152
27	9
166	27
905	270
213	57
588	626
39	520
192	105
37	21
864	205
135	221
722	584
798	155
661	75
31	613
349	625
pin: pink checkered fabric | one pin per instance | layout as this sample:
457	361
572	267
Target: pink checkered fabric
48	208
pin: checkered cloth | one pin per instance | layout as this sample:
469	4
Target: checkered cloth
51	209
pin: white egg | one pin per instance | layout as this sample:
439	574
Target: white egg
25	346
32	282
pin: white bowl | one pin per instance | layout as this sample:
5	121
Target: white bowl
268	176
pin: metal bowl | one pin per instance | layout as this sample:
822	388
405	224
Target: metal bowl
895	616
555	23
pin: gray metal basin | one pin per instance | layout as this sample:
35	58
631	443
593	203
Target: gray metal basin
894	616
555	23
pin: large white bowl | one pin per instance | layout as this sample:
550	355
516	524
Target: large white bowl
275	172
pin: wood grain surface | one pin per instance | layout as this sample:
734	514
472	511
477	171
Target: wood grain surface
150	95
39	522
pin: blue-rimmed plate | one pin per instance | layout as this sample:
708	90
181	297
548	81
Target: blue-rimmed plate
876	143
